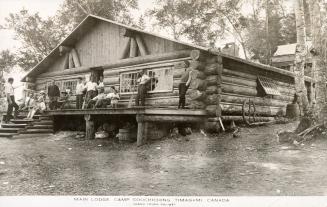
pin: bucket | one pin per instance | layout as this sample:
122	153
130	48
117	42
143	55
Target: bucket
292	111
126	135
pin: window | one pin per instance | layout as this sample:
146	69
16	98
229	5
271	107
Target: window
161	80
65	84
128	82
69	85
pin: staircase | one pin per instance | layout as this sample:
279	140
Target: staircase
20	127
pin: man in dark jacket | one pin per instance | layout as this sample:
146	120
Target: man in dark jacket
54	94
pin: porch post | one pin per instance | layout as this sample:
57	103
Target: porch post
89	127
142	130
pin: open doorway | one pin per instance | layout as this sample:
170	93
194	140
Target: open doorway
96	73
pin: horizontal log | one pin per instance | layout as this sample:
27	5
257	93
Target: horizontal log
240	119
213	69
177	73
238	89
239	81
212	99
198	84
236	109
211	90
197	95
233	73
173	118
212	80
111	80
197	65
76	72
148	59
180	65
193	104
198	74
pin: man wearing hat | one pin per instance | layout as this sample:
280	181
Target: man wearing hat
54	94
184	84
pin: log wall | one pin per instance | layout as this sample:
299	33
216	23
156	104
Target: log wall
112	73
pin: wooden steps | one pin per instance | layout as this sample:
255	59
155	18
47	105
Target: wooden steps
11	125
21	128
10	130
22	121
7	135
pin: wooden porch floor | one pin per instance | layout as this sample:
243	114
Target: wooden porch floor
130	111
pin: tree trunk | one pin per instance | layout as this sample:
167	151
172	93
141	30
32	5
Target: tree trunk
318	56
300	55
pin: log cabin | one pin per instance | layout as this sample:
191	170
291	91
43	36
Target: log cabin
222	84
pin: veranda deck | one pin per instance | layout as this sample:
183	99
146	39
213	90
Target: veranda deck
143	115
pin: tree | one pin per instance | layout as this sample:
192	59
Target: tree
206	23
300	55
319	52
201	22
7	61
72	12
38	36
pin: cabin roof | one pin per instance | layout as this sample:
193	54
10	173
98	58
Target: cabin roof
289	49
90	20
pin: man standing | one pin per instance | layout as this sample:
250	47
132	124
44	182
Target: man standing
9	90
80	88
54	94
141	89
184	84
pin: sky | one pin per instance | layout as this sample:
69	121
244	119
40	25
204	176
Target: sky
45	8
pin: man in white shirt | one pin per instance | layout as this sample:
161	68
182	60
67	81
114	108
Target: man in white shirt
80	88
9	90
141	89
91	91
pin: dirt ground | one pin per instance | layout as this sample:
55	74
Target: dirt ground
253	164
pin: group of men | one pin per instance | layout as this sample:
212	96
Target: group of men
91	94
33	103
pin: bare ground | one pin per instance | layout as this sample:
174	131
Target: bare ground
253	164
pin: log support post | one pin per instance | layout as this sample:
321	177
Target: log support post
89	126
142	130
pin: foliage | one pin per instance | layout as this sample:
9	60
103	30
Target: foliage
72	12
38	37
7	61
208	22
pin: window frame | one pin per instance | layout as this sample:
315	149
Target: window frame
153	69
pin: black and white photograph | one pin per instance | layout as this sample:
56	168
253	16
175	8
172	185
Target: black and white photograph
163	103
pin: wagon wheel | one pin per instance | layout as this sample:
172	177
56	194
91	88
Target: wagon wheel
251	113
